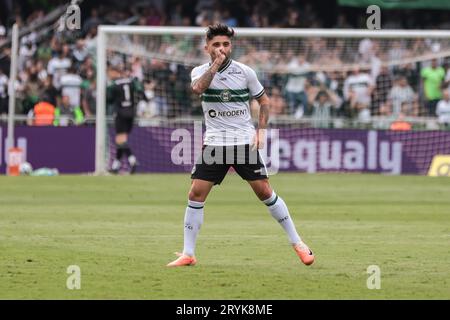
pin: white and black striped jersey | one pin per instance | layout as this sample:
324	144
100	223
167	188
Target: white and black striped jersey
226	104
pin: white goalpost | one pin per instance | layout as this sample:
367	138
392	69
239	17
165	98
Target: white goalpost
151	52
11	92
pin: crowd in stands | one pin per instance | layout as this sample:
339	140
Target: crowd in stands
57	73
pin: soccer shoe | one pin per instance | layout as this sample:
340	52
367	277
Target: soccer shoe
133	164
133	168
304	253
115	167
183	260
114	171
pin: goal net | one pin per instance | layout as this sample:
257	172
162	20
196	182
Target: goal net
317	79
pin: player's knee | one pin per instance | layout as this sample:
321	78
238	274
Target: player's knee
196	195
265	195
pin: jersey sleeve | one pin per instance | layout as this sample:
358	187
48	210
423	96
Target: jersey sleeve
196	73
255	87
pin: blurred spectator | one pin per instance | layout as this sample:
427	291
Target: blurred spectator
176	15
308	17
5	60
258	20
204	18
204	5
400	124
137	70
411	73
92	22
57	66
160	73
89	96
396	52
87	70
41	72
316	47
147	109
80	52
342	22
375	62
447	81
2	33
297	78
383	85
44	52
443	110
366	50
433	77
181	86
324	103
292	19
90	40
401	100
228	19
42	114
153	16
26	52
71	87
277	102
49	93
31	89
358	88
65	114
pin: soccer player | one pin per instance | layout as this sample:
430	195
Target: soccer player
122	93
225	87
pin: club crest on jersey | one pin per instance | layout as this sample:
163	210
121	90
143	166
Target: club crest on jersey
225	95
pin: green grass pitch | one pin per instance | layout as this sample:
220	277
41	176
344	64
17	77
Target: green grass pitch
122	231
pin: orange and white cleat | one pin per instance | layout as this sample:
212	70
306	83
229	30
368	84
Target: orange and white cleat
304	253
182	260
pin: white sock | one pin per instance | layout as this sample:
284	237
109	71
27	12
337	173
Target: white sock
115	165
193	220
280	212
132	160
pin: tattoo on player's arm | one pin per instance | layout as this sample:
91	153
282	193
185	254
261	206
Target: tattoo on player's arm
263	116
199	86
264	103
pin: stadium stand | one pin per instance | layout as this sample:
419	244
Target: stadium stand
47	53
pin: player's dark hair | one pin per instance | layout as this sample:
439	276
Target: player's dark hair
219	29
